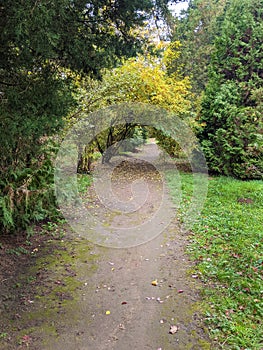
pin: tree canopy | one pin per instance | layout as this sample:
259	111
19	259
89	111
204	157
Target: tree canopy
196	31
144	80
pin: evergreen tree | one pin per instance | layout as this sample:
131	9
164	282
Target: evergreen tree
232	106
196	31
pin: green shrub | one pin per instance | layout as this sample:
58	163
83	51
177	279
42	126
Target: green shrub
27	195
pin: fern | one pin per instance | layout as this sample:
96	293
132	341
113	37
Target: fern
6	214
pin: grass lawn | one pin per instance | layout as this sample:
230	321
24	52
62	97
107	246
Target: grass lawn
227	244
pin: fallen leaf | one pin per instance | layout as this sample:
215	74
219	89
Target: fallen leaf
154	283
107	312
124	303
180	291
173	329
26	338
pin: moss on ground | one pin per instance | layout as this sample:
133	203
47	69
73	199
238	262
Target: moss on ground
49	287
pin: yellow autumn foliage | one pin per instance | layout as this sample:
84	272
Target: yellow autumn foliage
144	79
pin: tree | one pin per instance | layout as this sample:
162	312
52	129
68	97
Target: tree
196	31
141	79
41	44
232	107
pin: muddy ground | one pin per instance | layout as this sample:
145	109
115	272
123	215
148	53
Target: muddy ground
69	293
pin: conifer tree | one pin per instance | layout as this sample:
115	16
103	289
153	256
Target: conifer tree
232	136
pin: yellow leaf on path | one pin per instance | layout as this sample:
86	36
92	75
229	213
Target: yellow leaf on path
154	283
107	312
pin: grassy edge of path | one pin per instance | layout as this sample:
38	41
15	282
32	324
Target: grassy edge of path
227	242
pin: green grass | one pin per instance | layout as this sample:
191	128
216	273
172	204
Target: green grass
227	244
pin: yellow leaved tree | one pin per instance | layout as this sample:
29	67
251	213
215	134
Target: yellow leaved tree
142	79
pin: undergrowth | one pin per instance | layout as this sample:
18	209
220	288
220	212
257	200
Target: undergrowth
84	181
227	246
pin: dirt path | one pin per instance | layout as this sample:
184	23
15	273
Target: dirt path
93	297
